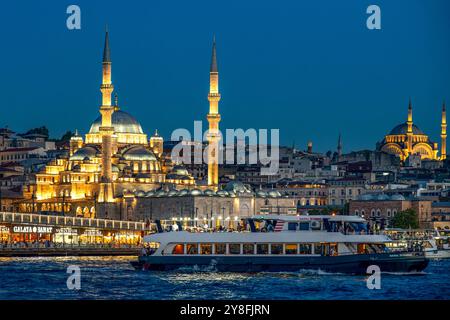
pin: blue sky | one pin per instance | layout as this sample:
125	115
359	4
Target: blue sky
310	68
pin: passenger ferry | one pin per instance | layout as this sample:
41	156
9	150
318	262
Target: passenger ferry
280	243
435	243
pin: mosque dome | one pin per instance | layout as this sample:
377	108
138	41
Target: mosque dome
236	186
398	197
261	194
122	122
196	192
274	194
222	193
365	197
403	129
382	197
183	192
180	170
88	152
209	192
138	153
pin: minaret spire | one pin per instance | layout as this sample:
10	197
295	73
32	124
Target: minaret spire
444	132
213	67
106	128
339	146
409	132
213	117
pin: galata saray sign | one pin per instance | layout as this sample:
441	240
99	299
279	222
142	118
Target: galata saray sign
32	229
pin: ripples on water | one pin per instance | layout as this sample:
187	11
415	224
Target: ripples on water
114	278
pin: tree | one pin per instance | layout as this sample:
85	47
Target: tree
66	136
406	219
41	130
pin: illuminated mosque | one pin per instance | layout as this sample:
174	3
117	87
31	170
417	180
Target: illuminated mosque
407	139
114	158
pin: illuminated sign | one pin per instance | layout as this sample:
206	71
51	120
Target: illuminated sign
66	231
93	233
4	229
32	229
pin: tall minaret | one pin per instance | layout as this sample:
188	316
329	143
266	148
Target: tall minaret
444	133
106	128
409	133
213	119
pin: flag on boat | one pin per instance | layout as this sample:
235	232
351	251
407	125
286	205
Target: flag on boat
279	226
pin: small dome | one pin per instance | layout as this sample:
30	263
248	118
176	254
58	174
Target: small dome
222	193
139	193
150	193
183	192
209	192
398	197
180	170
115	168
138	153
403	129
122	122
85	153
196	192
236	186
274	194
160	193
365	197
172	193
382	197
261	194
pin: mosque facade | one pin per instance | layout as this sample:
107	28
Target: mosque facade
407	139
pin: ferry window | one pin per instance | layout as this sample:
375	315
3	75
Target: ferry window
291	249
292	226
221	248
276	248
205	248
262	248
234	248
304	226
178	249
305	248
248	248
318	248
192	248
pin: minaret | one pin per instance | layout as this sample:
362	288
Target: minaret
444	133
339	146
409	133
213	117
106	128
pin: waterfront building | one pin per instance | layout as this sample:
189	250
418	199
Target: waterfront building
407	139
342	190
381	208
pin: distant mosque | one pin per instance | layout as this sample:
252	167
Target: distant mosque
407	139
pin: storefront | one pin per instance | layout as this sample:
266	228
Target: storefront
66	235
30	233
16	233
4	233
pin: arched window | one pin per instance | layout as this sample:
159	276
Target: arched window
357	212
388	212
378	213
372	213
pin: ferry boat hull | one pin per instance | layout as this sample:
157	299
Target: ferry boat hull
348	264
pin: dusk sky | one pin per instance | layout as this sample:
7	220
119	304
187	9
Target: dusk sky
310	68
